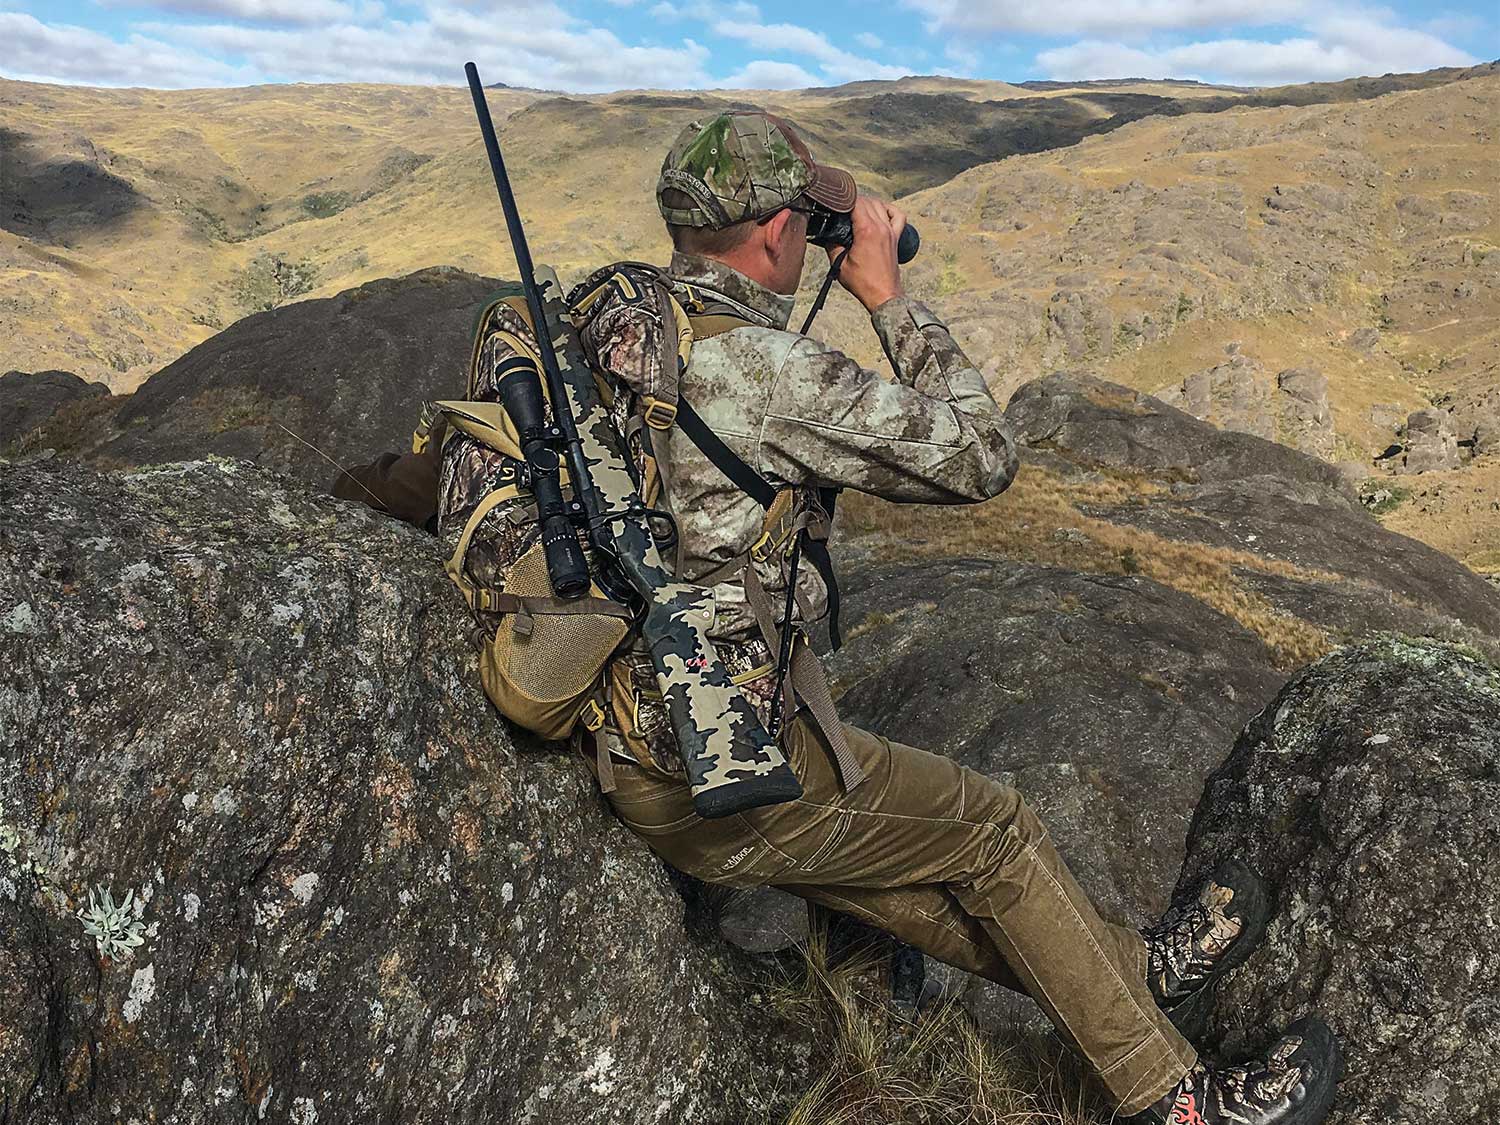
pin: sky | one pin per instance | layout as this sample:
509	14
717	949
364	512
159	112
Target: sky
588	46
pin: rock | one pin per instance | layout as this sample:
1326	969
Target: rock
1387	416
1238	395
1106	701
1364	339
1232	395
1304	420
1476	422
1081	322
1236	492
360	896
1430	443
1353	473
344	374
764	920
1368	794
27	400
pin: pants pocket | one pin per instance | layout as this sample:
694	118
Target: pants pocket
836	837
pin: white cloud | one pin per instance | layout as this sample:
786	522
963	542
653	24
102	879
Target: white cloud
256	11
765	74
1126	18
836	63
869	41
706	11
1335	47
548	49
963	54
41	52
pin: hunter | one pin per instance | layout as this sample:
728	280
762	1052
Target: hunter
946	859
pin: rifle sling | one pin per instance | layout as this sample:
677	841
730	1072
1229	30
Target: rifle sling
747	480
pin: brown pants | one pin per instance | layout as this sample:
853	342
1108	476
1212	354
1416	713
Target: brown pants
948	860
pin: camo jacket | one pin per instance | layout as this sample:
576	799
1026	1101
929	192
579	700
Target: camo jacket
808	416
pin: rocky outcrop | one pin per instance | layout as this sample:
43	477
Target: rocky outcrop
1237	492
27	400
344	891
1367	794
1430	443
1233	395
1240	395
300	387
1305	421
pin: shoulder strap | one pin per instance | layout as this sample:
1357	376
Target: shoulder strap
747	480
726	460
709	325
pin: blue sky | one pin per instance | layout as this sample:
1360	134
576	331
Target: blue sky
621	44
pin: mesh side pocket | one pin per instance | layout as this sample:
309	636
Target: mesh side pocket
541	679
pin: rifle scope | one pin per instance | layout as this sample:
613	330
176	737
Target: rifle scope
520	387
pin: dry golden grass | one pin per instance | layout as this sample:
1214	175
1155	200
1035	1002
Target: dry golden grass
1457	511
875	1067
1041	519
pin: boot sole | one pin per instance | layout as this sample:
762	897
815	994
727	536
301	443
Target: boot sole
1321	1050
1190	1015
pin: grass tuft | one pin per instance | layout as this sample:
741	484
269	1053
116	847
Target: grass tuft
878	1067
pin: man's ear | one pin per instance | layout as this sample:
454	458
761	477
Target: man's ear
774	233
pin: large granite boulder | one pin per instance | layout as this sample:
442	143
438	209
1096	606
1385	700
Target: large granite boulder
298	388
1431	445
343	890
1368	794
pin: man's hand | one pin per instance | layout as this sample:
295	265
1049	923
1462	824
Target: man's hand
871	271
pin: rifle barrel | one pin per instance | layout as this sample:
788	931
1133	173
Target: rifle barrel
587	508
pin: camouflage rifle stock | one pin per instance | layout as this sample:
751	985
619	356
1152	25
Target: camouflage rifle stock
732	763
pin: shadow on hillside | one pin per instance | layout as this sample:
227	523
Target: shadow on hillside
46	197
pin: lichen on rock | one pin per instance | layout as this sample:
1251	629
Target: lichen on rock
360	895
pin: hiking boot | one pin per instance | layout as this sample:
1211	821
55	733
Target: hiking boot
1293	1084
1202	937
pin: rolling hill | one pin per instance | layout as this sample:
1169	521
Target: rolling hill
1310	263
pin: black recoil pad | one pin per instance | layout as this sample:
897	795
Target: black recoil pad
520	387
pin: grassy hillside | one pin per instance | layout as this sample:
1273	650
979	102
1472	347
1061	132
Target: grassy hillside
1139	230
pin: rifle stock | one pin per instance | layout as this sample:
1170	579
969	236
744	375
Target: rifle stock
732	763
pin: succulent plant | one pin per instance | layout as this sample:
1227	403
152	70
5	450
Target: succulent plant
115	928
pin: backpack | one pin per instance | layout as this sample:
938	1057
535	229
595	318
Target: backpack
545	661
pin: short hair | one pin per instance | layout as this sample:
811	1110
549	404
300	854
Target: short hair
703	240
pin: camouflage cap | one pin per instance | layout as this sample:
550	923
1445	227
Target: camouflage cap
745	165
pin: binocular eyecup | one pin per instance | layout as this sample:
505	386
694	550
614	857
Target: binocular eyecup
520	387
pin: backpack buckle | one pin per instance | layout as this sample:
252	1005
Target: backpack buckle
592	717
659	415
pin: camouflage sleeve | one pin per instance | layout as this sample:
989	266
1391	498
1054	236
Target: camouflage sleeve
934	436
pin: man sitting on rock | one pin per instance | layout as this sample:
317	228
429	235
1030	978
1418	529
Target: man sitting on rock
942	857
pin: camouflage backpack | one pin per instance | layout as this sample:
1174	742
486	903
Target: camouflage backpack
544	660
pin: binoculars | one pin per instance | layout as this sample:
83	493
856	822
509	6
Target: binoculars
827	228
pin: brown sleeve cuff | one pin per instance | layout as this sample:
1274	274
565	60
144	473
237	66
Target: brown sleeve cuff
404	485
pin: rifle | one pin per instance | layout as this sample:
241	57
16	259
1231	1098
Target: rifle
732	763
